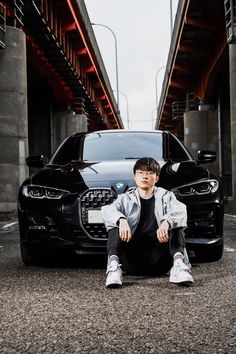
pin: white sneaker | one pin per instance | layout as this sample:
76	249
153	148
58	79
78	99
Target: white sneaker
186	259
114	275
180	273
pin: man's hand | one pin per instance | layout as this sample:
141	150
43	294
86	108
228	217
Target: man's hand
162	232
124	230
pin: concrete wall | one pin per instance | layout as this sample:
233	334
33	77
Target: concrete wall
66	123
13	118
232	79
201	133
39	117
226	153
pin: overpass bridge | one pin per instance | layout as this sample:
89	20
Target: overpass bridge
53	82
199	88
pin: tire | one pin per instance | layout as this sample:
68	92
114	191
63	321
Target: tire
27	256
217	253
212	254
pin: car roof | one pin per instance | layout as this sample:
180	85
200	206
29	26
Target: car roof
117	131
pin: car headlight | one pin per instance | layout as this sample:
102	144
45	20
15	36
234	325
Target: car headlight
41	192
198	188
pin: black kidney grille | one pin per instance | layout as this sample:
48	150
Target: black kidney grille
94	199
97	231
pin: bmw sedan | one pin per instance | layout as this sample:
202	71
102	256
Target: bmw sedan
59	205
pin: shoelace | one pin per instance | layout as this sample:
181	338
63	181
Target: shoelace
113	267
182	267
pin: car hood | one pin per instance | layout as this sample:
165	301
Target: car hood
178	174
119	174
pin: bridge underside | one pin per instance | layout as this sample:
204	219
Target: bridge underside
61	45
53	82
199	88
197	61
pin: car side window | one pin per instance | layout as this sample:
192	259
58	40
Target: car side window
176	151
67	152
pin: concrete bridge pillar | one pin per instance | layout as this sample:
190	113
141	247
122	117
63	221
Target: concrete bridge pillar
67	123
13	118
232	78
201	133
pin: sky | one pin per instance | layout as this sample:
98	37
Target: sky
143	34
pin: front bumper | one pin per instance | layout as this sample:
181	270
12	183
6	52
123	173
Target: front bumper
66	225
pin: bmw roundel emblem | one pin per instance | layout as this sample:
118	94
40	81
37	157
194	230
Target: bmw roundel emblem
119	185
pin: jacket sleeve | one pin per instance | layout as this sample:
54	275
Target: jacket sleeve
177	213
113	212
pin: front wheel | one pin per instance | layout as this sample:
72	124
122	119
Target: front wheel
27	255
212	254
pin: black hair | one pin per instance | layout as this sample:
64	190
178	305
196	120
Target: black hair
147	164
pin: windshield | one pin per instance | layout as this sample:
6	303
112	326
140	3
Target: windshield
120	146
110	146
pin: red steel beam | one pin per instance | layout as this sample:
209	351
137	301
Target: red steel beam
69	2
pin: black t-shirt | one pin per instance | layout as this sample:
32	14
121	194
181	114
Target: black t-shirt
147	224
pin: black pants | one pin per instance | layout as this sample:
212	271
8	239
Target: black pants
146	255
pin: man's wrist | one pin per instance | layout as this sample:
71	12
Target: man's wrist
121	218
164	220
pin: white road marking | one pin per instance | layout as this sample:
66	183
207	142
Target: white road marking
229	249
9	225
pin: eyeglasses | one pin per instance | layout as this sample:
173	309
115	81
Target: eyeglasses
145	173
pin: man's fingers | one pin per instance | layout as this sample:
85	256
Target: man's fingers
129	237
125	235
125	238
162	237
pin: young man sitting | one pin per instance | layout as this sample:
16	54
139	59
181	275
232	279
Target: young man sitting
145	230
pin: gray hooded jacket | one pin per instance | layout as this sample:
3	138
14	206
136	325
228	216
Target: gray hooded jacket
128	206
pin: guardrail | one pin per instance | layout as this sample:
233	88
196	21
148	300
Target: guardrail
18	10
230	20
2	25
179	107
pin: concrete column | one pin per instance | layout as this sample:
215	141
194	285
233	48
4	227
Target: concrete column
39	118
201	133
65	124
13	118
232	79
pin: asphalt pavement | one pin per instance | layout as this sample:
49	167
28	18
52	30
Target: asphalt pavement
64	307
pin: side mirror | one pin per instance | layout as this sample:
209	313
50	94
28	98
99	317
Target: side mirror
36	161
205	156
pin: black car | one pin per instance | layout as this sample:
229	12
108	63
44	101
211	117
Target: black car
59	205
